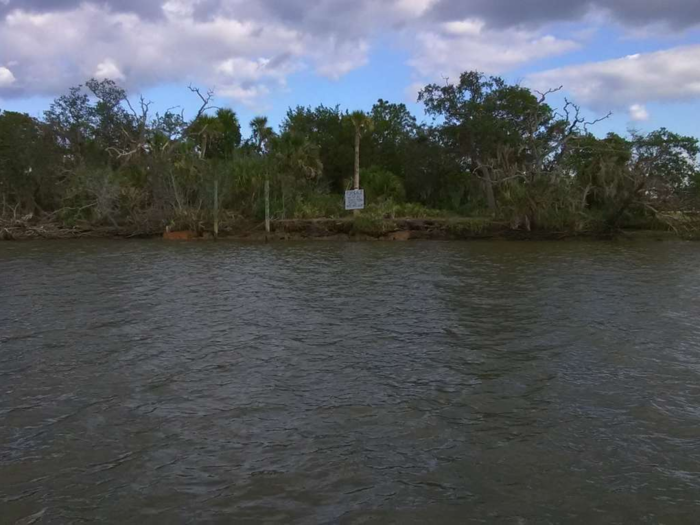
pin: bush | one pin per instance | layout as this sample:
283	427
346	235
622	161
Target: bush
413	210
381	186
313	205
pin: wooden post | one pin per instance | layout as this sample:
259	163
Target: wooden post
267	205
216	209
284	203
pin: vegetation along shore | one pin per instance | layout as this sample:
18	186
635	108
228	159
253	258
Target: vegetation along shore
494	160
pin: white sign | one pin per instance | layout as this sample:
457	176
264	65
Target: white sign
355	200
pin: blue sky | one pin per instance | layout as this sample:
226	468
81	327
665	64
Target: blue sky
640	60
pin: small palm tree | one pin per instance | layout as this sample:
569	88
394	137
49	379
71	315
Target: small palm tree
262	133
230	132
218	136
204	131
298	157
363	124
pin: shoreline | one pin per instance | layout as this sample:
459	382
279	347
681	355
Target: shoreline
331	230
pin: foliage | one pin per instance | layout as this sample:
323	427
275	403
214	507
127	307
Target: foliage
492	152
29	178
381	185
414	210
218	136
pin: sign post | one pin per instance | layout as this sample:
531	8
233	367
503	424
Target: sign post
355	200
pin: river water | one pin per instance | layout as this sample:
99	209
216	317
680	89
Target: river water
484	382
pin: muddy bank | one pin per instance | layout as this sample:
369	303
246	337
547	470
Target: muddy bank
362	229
58	232
397	230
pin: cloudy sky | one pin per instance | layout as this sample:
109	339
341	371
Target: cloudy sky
637	58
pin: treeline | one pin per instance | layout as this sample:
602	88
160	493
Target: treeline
492	150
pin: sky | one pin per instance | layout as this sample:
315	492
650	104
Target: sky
639	59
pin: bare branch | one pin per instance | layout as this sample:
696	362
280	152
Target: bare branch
543	96
597	121
124	153
205	98
131	108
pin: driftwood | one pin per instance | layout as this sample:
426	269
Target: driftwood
27	228
13	230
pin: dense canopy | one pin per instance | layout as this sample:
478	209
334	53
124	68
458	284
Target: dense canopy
490	150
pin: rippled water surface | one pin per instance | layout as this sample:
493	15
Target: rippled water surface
144	382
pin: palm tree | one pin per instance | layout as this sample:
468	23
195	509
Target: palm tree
363	124
218	136
298	162
298	157
230	134
261	133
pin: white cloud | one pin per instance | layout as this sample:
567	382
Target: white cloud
415	8
411	92
639	113
241	67
246	95
471	27
246	49
109	70
663	76
242	48
340	58
6	77
466	45
64	48
538	13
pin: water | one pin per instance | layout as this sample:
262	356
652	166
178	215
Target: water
515	383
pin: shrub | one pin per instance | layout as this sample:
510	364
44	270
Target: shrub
381	185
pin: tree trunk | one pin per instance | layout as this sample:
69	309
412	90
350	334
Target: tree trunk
176	193
284	204
357	165
357	160
584	201
490	195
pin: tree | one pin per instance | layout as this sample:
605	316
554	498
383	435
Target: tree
363	124
262	134
662	169
669	159
330	130
485	124
382	185
71	119
297	163
113	124
297	157
28	161
394	132
600	167
218	136
510	139
491	146
433	176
